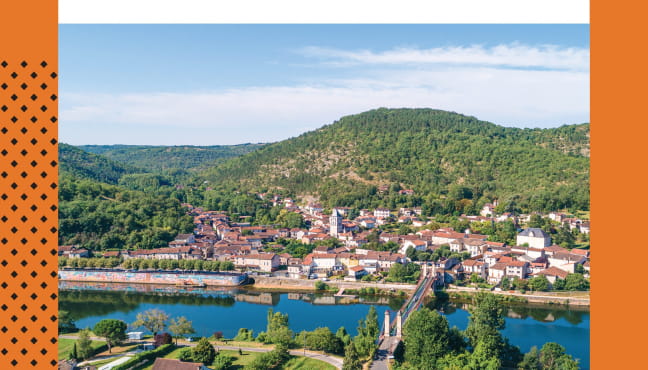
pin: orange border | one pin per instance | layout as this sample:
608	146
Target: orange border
618	81
617	151
28	184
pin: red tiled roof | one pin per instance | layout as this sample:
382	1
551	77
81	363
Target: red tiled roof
553	271
516	263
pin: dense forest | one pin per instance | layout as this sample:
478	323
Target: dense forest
104	204
160	158
101	216
454	164
84	165
130	195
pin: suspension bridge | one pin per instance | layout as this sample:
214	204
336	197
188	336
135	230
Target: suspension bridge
391	332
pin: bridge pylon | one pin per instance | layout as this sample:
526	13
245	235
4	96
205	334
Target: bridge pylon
387	324
399	325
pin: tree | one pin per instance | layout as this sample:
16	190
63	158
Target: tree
531	360
160	339
181	326
222	362
426	338
324	340
485	321
486	312
113	330
343	336
553	357
203	352
320	285
65	322
576	282
153	320
367	334
520	284
277	329
487	352
539	283
84	345
505	284
351	358
73	353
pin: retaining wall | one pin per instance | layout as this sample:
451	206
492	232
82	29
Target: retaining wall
146	277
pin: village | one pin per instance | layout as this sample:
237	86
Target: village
339	246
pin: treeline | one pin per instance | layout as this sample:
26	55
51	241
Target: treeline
198	265
162	158
454	163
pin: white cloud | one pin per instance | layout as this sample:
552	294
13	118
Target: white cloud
513	55
554	92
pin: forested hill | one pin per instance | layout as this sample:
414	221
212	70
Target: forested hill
160	158
440	155
108	205
84	165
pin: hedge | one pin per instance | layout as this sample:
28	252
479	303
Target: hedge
161	351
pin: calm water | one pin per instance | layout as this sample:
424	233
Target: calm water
227	310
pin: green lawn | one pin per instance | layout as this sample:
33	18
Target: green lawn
65	346
305	363
239	362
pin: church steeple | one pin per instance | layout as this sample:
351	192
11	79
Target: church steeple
335	222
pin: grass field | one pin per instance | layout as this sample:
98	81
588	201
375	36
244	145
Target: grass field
305	363
65	346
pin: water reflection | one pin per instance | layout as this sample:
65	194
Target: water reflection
100	299
541	313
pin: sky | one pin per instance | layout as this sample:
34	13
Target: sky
232	84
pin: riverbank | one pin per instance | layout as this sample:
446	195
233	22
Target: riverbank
279	284
546	298
287	284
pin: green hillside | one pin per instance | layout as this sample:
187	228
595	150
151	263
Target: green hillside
82	164
454	163
161	158
104	204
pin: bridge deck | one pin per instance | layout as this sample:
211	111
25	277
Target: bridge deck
388	344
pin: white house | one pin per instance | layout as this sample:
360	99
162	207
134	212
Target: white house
534	237
382	212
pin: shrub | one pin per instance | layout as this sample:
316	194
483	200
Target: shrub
244	335
222	362
161	339
203	352
186	355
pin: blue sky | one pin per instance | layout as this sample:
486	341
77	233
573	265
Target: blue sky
230	84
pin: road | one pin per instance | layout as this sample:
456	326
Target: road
335	361
381	360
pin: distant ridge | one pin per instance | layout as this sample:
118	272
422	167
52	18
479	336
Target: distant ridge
156	158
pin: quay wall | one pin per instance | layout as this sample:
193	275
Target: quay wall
153	277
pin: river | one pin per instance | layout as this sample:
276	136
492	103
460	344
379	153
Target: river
228	309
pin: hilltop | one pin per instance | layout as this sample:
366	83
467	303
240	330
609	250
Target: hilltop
439	155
